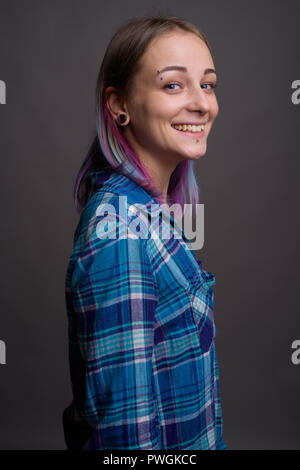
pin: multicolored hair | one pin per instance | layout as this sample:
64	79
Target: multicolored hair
110	151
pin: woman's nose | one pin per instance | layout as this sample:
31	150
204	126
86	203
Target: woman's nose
199	100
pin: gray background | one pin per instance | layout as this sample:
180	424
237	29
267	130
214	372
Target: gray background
50	54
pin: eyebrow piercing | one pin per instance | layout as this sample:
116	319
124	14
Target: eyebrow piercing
159	72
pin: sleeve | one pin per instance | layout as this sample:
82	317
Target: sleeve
218	409
114	297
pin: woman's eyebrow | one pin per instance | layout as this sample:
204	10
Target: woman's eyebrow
183	69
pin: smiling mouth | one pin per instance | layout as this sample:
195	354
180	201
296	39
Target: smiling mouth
190	131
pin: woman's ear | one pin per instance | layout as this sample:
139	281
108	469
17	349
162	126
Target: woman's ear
115	102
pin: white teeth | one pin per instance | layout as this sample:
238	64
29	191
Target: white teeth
188	127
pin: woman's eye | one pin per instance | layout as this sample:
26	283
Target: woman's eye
211	85
171	84
207	86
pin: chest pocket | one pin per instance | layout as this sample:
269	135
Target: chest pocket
202	304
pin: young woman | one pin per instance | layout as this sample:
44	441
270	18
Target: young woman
143	363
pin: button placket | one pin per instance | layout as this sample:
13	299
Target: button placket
202	303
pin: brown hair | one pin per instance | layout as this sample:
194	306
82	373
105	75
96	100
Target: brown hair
110	150
129	43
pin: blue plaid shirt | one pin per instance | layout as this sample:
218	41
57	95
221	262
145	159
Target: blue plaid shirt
141	329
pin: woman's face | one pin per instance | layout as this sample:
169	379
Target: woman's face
161	99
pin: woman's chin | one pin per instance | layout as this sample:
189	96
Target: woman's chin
195	155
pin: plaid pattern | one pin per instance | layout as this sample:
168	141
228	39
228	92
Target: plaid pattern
142	356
